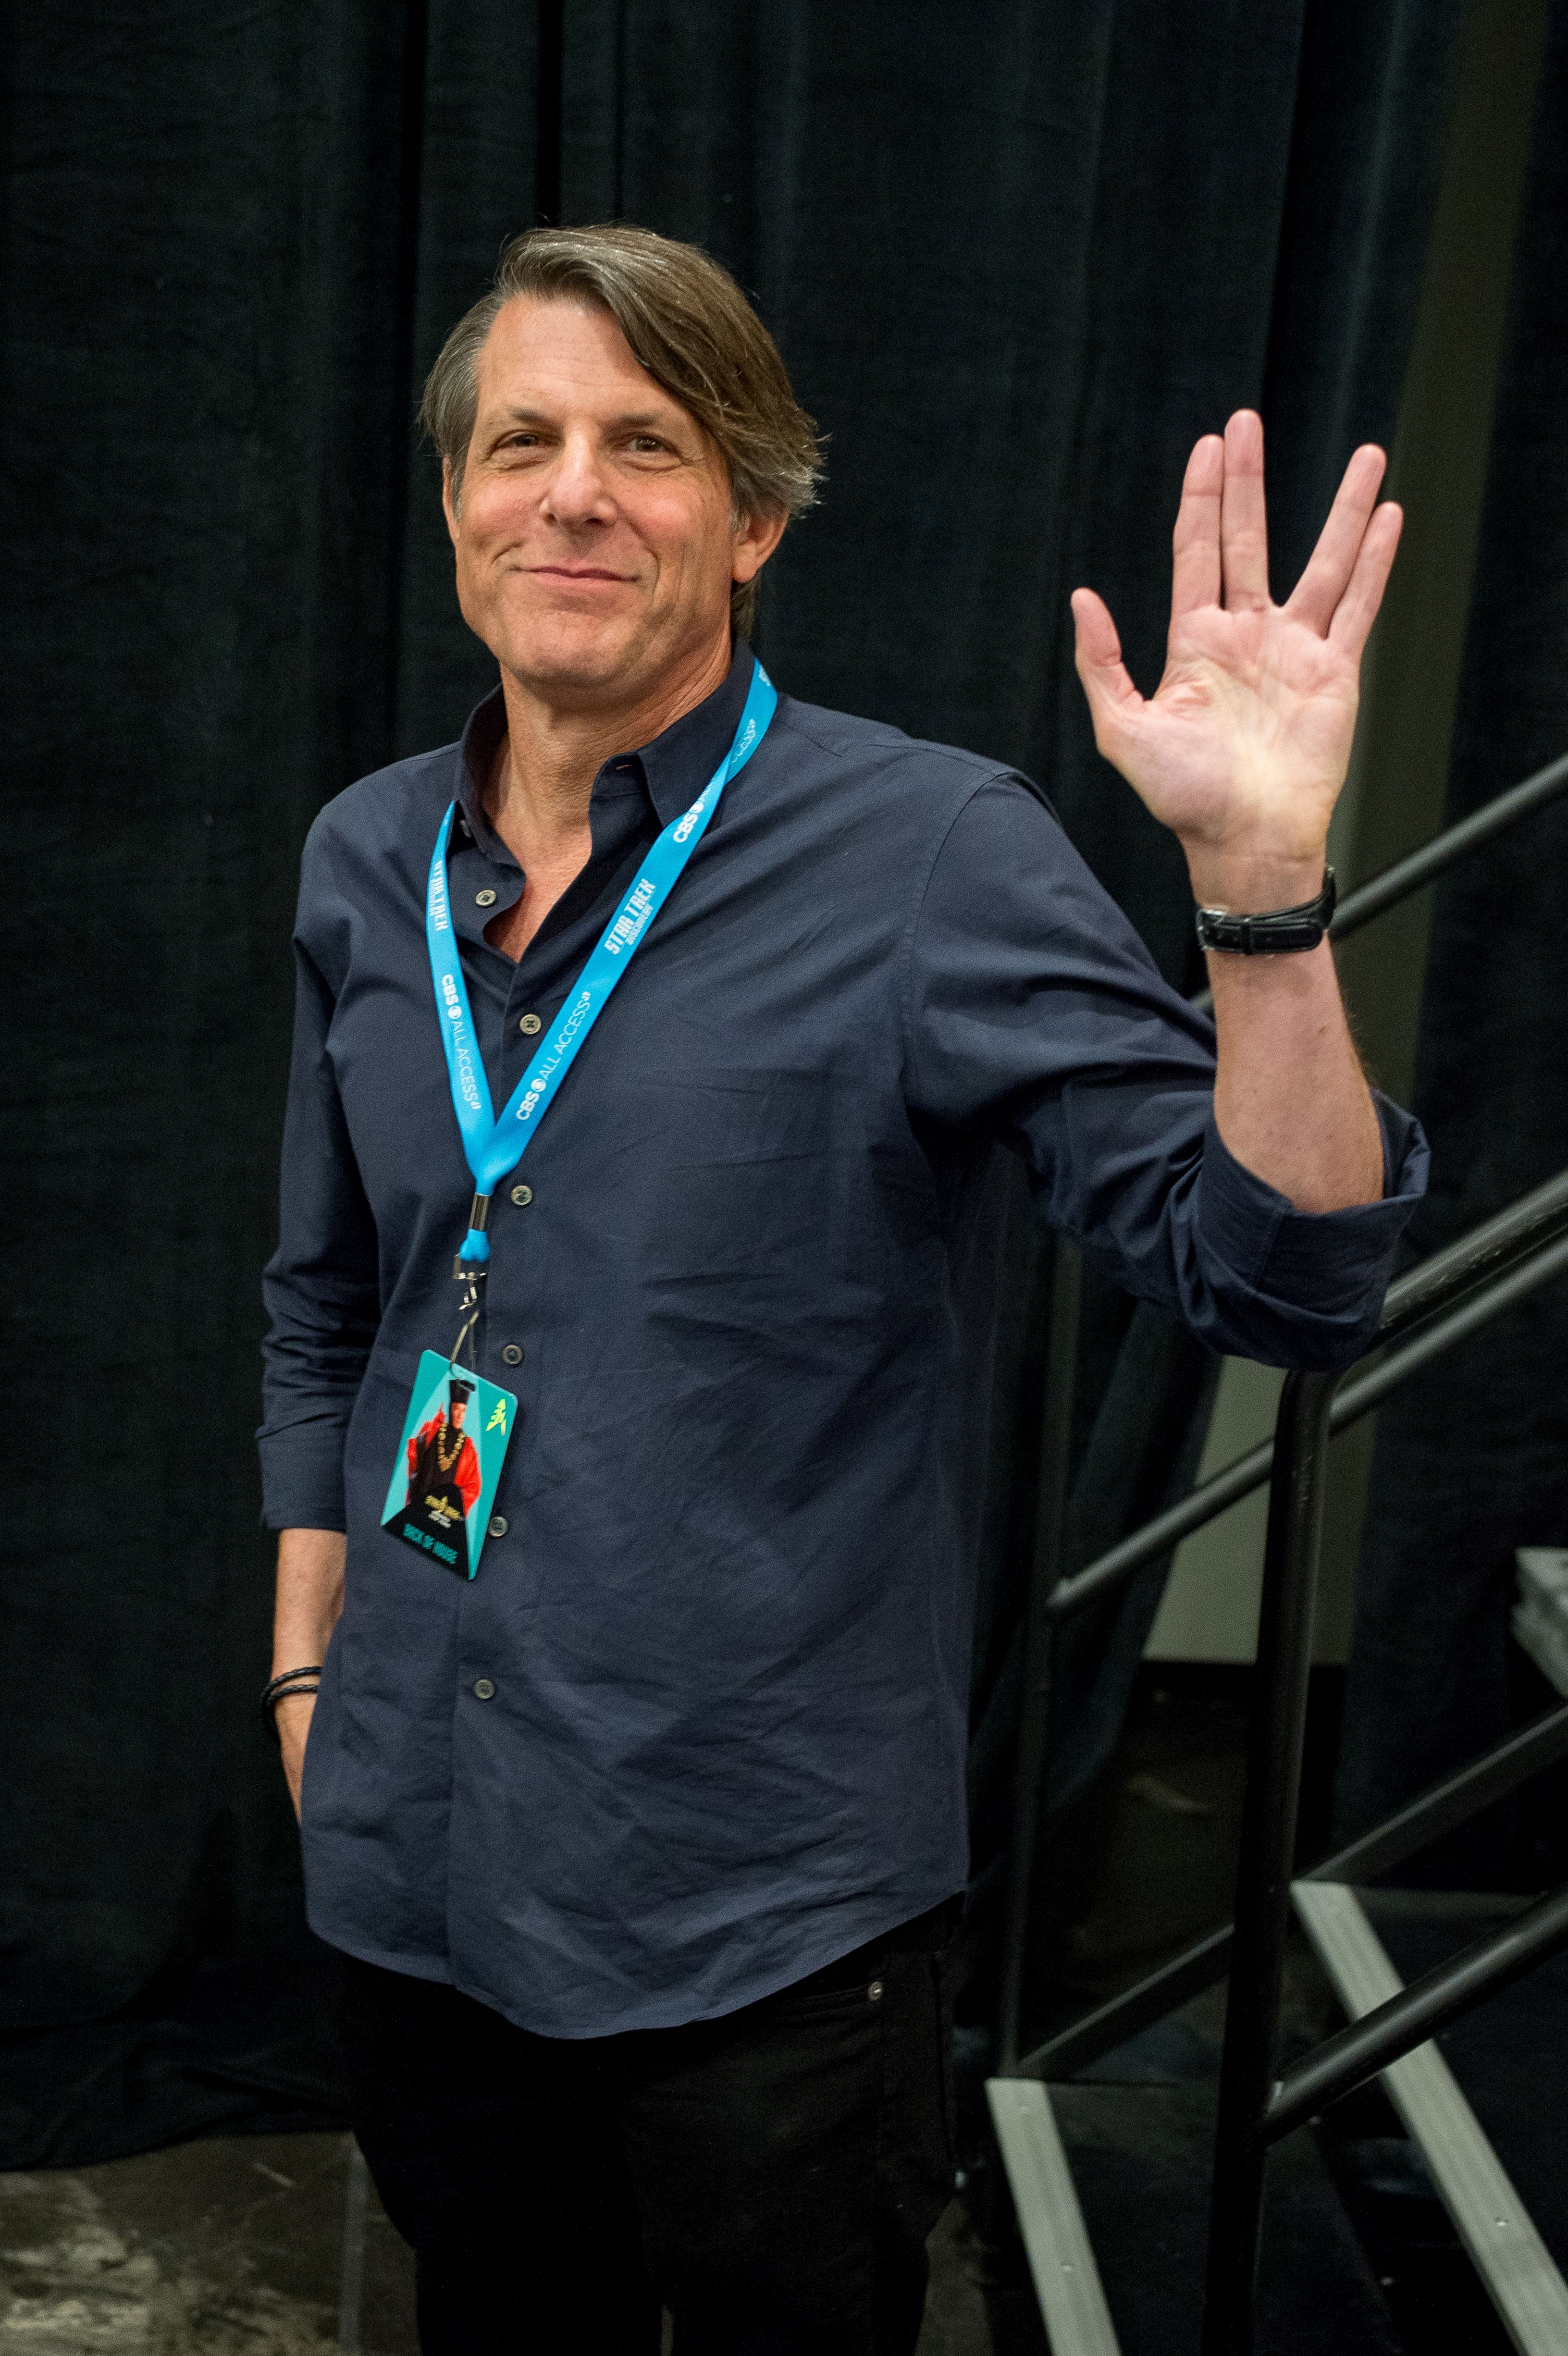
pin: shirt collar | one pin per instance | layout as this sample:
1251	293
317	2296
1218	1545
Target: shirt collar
675	767
476	752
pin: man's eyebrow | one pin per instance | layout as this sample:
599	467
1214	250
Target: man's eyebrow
629	420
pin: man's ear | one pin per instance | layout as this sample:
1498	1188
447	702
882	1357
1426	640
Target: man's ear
755	537
448	504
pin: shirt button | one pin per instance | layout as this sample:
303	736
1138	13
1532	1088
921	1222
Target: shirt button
497	1525
483	1689
528	1025
512	1354
523	1196
484	899
875	1991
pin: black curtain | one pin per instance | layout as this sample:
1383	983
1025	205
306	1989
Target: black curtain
1016	261
1472	1457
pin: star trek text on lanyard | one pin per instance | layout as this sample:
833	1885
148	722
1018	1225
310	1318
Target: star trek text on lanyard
494	1148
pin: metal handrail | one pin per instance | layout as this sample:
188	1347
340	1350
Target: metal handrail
1346	2060
1034	1715
1451	1802
1470	834
1529	1751
1476	1277
1052	1596
1411	1299
1276	1741
1255	2105
1449	1295
1251	2114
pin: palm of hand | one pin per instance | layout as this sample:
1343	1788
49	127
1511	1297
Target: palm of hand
1249	731
1243	747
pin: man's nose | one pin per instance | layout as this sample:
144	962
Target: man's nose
577	492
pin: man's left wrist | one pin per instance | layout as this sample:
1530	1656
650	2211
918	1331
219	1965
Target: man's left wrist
1251	883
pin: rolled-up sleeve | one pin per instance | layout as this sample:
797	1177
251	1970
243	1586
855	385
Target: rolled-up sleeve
1035	1013
321	1286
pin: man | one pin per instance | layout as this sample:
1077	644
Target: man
640	1848
444	1480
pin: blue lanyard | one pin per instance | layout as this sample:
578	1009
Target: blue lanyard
492	1147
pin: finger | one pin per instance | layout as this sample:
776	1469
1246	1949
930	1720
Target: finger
1097	653
1195	543
1321	586
1358	608
1243	519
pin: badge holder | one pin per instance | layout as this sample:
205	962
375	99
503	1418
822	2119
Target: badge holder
454	1439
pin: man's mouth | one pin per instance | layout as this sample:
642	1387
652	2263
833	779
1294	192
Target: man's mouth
578	573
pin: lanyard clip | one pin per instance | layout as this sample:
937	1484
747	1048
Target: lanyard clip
475	1248
469	1268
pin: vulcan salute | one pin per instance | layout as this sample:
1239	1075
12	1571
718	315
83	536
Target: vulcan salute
444	1475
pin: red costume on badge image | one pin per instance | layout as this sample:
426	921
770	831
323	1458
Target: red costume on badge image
431	1445
444	1484
441	1456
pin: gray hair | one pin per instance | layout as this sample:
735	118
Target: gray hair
688	324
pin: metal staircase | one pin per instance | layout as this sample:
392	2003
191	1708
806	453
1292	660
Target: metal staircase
1390	2026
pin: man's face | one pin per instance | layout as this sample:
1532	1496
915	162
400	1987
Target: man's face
456	1412
595	541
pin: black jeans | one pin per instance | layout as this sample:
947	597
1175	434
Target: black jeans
770	2177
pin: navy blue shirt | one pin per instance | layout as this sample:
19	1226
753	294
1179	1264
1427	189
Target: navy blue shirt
727	1624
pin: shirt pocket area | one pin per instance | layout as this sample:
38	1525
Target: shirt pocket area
759	1186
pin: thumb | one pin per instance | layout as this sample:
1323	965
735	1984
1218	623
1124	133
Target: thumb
1113	700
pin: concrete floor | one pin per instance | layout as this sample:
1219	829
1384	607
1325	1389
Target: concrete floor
231	2247
235	2246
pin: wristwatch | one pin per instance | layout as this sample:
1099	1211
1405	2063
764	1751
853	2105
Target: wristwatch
1275	930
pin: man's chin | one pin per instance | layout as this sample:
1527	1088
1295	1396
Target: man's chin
577	657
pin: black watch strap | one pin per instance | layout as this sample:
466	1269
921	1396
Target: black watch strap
1275	930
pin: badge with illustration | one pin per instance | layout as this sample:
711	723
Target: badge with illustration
449	1459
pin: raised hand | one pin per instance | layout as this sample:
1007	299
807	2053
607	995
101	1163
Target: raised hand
1243	747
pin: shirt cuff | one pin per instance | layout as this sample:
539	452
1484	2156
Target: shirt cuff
302	1474
1325	1272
